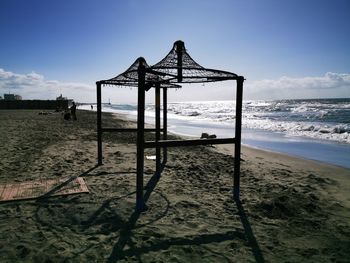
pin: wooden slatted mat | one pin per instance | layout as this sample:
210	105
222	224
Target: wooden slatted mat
36	189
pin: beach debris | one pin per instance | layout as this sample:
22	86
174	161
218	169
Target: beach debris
44	113
67	116
207	136
204	135
43	188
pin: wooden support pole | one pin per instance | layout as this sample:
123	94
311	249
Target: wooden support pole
179	48
165	123
140	137
99	124
157	100
238	131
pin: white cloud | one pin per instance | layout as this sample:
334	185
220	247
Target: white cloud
329	85
34	86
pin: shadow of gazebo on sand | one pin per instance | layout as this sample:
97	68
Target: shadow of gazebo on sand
124	246
126	232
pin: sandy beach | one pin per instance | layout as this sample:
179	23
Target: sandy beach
291	210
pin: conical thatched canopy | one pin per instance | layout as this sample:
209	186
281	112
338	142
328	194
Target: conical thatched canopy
178	66
130	76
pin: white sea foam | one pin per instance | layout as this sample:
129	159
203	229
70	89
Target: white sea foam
321	119
327	120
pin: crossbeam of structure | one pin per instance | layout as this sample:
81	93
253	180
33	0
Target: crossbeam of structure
177	143
177	67
158	130
130	130
130	78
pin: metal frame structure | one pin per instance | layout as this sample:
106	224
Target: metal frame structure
177	67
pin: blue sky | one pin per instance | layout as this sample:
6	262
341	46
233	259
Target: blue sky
285	49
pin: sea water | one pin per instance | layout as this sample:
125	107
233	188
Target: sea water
317	129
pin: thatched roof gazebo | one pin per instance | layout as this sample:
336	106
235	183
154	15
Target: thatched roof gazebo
175	68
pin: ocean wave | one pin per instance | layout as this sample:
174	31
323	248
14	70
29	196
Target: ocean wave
327	119
321	119
333	132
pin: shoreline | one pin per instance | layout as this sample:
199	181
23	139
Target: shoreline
127	117
290	209
340	174
326	170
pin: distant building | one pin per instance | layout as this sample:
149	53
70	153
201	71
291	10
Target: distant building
9	96
12	97
60	97
70	101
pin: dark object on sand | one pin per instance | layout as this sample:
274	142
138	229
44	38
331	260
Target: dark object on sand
177	67
207	136
59	109
66	116
204	135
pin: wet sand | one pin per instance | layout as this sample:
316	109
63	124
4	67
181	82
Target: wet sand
291	210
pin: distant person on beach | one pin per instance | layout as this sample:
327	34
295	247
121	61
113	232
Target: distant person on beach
73	110
92	107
